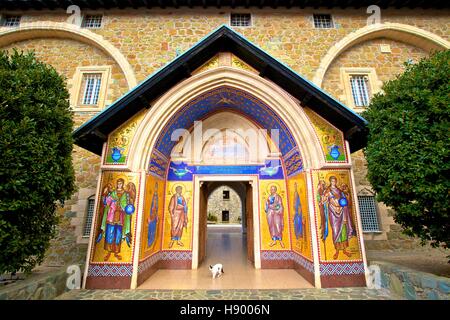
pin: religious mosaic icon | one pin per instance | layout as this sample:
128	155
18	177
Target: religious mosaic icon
152	220
335	211
178	210
117	207
275	216
299	219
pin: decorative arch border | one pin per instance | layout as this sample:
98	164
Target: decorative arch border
210	102
64	30
396	31
172	101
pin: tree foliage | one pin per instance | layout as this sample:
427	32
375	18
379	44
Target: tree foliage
36	171
408	148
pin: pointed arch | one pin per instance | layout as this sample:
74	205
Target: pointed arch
172	101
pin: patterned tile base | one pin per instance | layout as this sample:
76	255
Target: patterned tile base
150	261
308	265
176	255
329	269
106	270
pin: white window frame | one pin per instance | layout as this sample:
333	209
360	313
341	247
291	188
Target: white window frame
251	19
361	92
374	85
333	25
77	92
93	89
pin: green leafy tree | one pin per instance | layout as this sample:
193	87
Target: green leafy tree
36	171
408	148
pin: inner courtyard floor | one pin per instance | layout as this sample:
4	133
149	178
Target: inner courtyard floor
226	245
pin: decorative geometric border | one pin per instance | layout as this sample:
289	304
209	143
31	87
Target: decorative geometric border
148	262
305	263
293	162
288	255
158	164
276	255
176	255
105	270
329	269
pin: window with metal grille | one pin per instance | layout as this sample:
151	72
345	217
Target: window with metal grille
241	20
10	21
92	22
360	90
368	211
89	217
90	85
323	21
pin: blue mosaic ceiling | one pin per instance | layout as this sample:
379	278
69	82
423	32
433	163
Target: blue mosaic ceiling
225	99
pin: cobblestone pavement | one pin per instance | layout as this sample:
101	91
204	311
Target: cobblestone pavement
288	294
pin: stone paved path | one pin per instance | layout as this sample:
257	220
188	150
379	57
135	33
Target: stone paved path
287	294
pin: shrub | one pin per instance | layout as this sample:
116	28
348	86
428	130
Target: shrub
407	151
36	173
212	217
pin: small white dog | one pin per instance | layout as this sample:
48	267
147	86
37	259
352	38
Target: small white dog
216	270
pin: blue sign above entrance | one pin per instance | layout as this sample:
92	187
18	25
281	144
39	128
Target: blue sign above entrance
184	172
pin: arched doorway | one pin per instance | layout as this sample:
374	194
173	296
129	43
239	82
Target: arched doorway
301	151
242	140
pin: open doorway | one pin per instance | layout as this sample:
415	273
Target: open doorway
226	225
232	245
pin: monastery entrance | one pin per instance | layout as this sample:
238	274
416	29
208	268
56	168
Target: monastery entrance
231	244
226	125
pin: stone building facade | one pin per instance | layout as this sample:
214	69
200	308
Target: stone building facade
132	43
225	204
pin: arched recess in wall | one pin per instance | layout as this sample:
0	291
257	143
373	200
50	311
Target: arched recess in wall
280	102
395	31
67	31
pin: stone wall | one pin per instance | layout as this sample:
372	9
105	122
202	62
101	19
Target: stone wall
43	284
411	284
216	204
386	65
149	39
